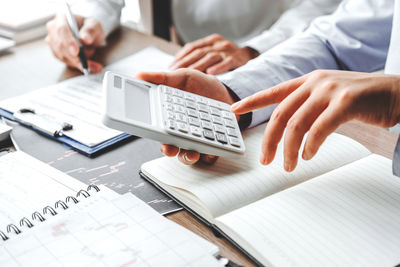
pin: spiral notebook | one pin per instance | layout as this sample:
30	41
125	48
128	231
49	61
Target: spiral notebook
47	220
101	232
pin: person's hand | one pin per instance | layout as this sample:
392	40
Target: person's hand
65	47
319	102
197	83
212	55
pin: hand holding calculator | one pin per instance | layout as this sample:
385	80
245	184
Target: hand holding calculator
171	116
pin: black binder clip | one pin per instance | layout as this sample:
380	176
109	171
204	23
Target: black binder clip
27	110
65	127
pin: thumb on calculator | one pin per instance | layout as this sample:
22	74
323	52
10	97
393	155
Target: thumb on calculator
195	82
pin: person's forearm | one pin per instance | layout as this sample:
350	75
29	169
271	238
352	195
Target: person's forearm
294	20
350	39
294	58
107	12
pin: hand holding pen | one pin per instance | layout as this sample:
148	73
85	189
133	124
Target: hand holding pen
70	49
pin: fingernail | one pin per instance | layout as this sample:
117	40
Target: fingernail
235	105
211	71
95	68
162	149
306	155
262	159
87	38
288	166
72	50
185	159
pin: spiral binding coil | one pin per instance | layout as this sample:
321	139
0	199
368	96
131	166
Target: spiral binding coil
48	209
62	204
25	221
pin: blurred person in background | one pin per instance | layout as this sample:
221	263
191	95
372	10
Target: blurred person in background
230	32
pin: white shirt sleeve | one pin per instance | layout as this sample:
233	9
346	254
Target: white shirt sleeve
296	19
355	37
107	12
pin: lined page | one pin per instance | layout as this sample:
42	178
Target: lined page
348	217
99	232
28	185
233	183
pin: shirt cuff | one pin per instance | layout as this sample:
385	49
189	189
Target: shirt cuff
265	41
396	159
107	14
244	86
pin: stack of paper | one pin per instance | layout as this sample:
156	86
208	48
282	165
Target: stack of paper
24	20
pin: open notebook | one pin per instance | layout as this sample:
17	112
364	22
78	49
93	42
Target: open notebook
339	209
47	220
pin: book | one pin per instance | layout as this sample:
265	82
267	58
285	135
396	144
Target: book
45	220
24	20
339	209
70	111
5	44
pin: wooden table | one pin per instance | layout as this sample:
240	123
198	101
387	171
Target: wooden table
32	66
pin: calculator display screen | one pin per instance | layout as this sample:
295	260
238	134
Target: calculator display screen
137	102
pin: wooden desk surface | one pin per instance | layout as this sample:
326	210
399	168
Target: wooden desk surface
32	66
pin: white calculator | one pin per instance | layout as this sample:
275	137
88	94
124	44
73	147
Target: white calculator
171	116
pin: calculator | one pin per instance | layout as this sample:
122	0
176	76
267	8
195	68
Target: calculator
171	116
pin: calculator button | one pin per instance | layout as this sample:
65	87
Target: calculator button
222	138
229	123
178	101
166	90
168	99
171	124
218	105
226	115
234	141
180	117
205	116
190	104
169	106
182	127
179	109
203	108
219	129
189	97
195	122
206	125
215	111
217	120
202	100
192	113
170	115
196	131
209	134
232	132
178	93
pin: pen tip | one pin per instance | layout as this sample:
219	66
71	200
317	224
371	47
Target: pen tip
86	72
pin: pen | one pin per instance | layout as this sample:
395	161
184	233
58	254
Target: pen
75	31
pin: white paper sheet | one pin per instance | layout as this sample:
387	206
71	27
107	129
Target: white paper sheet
78	101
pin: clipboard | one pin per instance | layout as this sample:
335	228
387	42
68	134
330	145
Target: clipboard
57	135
